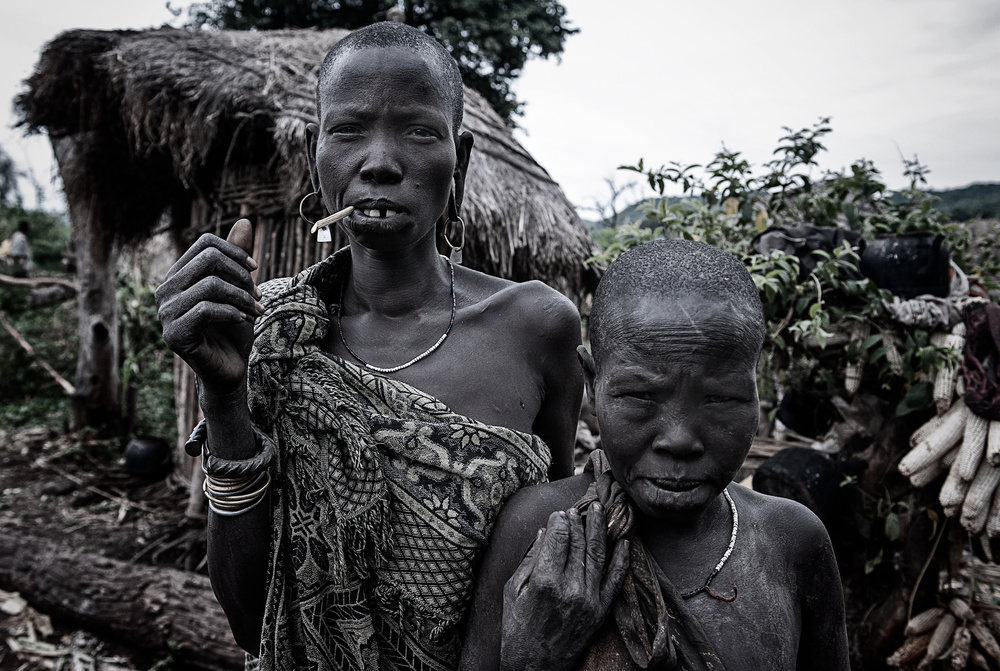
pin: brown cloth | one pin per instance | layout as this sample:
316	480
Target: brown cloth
981	360
650	627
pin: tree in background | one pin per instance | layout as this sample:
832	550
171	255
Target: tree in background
490	39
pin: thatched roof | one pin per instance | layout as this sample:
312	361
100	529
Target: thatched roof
196	122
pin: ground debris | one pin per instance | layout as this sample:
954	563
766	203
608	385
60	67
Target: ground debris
72	488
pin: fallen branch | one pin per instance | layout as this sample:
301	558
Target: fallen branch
152	607
38	281
120	500
62	382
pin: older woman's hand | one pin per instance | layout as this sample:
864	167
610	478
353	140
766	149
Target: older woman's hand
207	305
561	593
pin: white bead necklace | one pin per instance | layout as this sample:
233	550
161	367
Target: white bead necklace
722	562
422	355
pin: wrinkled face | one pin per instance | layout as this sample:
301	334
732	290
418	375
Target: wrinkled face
676	398
385	145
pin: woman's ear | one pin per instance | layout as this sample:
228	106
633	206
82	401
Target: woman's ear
463	152
312	138
589	374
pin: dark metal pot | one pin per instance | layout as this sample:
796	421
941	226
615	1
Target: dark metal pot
908	264
148	457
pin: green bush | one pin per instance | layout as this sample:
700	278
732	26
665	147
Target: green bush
727	202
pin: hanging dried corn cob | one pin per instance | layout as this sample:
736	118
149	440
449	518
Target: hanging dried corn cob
985	638
938	442
978	661
925	430
892	355
979	498
960	647
924	621
993	521
970	455
993	443
953	492
948	372
940	640
912	649
928	474
853	371
958	636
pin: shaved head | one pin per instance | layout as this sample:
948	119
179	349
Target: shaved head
390	34
673	272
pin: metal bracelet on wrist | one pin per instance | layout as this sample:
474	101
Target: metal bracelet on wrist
217	467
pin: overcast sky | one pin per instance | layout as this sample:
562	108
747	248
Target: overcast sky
671	81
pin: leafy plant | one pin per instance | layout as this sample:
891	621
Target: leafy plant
490	40
147	365
811	317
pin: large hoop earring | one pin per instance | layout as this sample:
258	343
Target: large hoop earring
302	204
318	227
456	251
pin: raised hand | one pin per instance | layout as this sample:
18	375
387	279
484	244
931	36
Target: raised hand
561	593
207	306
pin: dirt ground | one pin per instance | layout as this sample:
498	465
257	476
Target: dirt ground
75	490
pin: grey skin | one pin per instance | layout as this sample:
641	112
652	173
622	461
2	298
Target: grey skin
677	403
385	139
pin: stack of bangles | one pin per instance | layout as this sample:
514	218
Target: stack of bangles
233	486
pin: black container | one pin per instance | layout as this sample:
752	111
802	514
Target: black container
804	475
908	264
807	412
148	457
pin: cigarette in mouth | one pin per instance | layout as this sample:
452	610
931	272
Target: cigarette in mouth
332	219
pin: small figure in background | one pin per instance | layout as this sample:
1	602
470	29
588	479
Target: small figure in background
20	251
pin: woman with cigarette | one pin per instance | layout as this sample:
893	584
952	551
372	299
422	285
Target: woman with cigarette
366	419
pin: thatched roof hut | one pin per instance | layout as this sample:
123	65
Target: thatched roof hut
210	126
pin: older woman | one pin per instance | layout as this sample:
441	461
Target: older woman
367	419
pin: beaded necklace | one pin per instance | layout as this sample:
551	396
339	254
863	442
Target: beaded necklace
425	353
718	567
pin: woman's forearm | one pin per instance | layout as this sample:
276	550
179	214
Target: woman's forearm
238	545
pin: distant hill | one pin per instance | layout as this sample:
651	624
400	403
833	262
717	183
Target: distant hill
629	215
976	201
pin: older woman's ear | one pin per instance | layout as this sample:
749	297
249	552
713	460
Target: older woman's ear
312	138
463	153
589	375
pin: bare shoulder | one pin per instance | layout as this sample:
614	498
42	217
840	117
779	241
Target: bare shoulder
787	526
528	509
531	306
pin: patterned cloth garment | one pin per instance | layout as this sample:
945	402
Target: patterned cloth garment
384	497
649	626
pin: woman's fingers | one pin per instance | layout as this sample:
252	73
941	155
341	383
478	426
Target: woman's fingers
208	241
615	575
519	581
596	539
187	332
212	289
555	547
210	262
241	235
